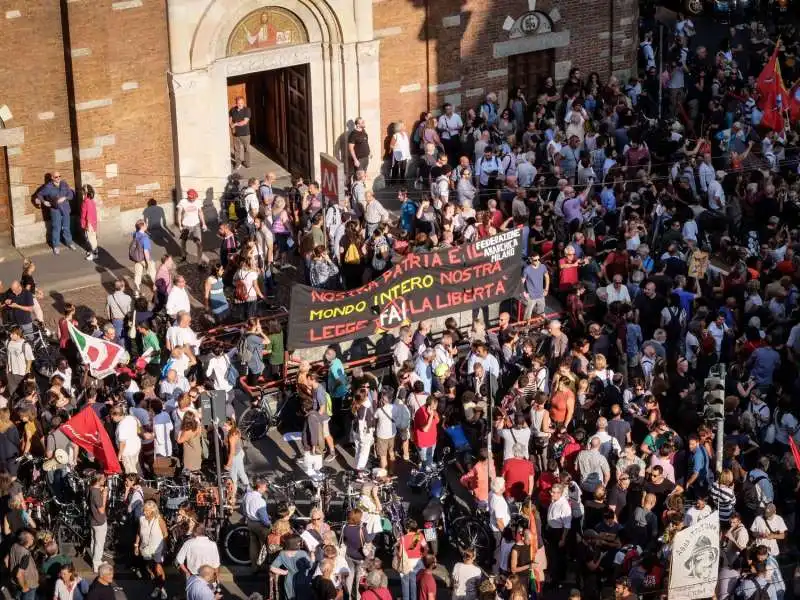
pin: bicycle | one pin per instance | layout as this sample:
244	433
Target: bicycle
263	414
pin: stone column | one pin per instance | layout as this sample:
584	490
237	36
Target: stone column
369	86
201	133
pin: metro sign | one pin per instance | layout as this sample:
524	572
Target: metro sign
331	172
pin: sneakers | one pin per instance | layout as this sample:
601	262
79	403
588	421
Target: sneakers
90	256
330	458
155	593
56	250
163	594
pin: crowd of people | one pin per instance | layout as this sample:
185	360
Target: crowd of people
589	438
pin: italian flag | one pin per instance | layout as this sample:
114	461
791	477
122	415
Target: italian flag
100	355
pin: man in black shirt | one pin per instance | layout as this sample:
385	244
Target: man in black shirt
239	121
103	587
20	302
358	146
322	586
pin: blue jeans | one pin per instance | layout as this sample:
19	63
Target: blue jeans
408	585
29	595
59	226
426	455
237	472
119	327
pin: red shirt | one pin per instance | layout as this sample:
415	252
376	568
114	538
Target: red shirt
546	481
517	473
426	585
568	275
424	439
414	544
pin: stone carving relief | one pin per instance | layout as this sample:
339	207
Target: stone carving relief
272	59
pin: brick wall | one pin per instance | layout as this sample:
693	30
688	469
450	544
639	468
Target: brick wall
114	78
435	51
34	90
120	59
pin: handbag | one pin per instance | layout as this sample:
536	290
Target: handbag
367	548
132	326
400	562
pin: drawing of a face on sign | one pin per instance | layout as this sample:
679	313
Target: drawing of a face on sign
266	28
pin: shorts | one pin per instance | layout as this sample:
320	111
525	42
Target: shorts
282	241
194	233
405	434
384	448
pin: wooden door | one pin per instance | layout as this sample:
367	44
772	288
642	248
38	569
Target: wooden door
274	98
298	101
528	71
236	88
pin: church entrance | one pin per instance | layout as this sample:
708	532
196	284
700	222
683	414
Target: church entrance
280	127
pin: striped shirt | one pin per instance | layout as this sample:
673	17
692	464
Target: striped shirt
724	498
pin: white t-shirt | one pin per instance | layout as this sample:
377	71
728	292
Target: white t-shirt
217	370
128	432
181	336
466	579
191	213
450	126
498	510
162	427
776	525
385	422
250	279
515	436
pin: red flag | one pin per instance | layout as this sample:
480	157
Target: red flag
86	430
794	102
795	452
773	97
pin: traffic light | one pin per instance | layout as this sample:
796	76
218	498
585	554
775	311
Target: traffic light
714	399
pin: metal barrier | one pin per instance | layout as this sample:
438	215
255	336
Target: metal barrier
291	366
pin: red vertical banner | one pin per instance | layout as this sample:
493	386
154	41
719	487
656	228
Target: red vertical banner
331	175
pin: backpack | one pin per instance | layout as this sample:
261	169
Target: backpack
674	327
380	254
707	344
751	492
136	250
760	593
351	255
241	291
244	350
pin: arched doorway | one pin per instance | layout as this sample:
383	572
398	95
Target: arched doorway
321	72
278	100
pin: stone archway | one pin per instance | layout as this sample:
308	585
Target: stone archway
343	62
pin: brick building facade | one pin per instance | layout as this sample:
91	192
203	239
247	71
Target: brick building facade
84	91
131	96
437	51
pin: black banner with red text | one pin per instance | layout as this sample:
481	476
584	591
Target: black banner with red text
418	287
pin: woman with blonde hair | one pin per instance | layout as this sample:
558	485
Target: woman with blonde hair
400	146
149	545
723	496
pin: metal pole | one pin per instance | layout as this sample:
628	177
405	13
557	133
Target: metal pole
215	423
660	68
720	430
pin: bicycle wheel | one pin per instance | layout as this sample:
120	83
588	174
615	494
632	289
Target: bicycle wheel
471	533
253	424
237	545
